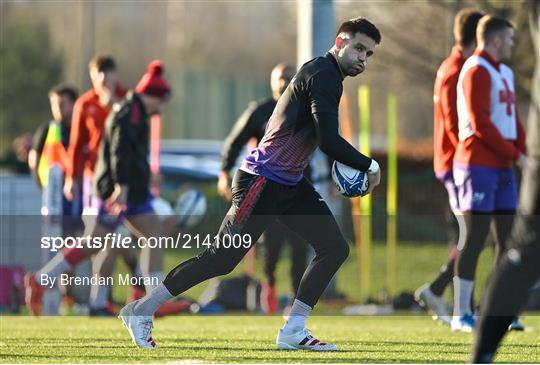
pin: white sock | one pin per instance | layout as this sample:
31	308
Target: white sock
148	305
463	290
53	268
300	311
155	277
99	295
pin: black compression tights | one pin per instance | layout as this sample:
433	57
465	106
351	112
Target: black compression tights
257	202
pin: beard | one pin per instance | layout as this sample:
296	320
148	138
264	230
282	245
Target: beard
355	70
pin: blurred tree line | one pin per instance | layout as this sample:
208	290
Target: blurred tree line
416	38
29	68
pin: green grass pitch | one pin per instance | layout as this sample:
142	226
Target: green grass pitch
249	339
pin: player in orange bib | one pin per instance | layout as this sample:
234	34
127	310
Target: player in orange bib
491	141
445	141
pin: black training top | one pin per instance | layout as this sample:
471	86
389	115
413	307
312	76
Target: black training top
306	115
251	123
123	153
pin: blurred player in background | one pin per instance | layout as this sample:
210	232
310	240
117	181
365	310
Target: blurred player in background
123	179
491	140
88	120
90	114
122	183
506	293
91	110
62	99
445	140
251	126
270	185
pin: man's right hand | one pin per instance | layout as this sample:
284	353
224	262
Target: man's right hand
374	179
116	203
71	189
224	185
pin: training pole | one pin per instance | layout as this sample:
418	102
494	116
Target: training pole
392	196
365	202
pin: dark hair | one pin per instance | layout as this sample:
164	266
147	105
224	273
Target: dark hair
102	63
64	90
360	25
489	25
465	24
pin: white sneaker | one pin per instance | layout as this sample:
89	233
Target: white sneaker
139	327
434	304
302	340
464	323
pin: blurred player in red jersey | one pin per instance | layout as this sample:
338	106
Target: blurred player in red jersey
491	140
87	124
445	140
121	189
90	112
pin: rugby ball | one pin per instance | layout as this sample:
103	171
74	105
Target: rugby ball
349	182
190	208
